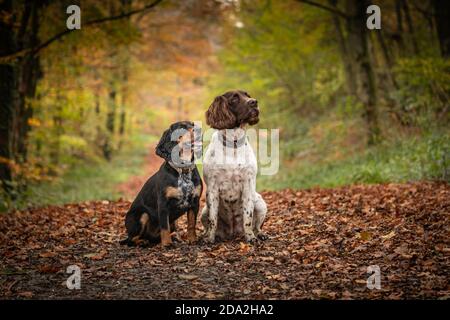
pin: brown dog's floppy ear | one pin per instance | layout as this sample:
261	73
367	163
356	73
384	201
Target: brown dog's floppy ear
165	145
219	116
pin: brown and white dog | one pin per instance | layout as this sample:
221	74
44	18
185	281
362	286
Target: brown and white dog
233	207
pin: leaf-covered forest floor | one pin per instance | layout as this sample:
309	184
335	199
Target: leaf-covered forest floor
321	243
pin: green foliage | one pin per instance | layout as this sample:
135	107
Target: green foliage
280	57
85	181
286	55
402	160
424	89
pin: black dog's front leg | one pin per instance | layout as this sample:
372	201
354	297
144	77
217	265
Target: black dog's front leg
164	225
192	220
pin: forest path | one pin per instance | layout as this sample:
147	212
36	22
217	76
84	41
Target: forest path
321	243
131	187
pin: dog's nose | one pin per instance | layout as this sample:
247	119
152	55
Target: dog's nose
253	102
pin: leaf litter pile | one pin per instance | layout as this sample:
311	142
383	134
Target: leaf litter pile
321	244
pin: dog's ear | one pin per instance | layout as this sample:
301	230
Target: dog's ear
165	145
219	115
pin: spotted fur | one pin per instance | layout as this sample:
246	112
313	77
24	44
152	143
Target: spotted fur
233	207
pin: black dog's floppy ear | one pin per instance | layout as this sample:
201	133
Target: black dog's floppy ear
219	116
165	145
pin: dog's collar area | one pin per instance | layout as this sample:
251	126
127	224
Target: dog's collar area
235	143
182	168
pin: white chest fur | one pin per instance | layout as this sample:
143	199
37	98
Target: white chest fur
228	169
233	205
240	159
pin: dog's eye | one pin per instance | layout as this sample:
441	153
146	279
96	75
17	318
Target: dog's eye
235	98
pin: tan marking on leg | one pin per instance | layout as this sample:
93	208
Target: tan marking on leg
191	226
166	240
143	220
144	223
174	231
137	240
172	192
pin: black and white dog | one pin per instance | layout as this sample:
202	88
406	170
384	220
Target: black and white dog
171	192
233	207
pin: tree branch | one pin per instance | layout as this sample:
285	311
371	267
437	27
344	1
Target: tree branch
325	7
428	14
10	57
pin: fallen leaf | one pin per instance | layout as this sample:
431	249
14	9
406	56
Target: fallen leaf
48	269
187	276
388	236
26	294
96	255
47	254
366	236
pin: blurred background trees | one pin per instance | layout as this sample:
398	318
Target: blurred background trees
352	104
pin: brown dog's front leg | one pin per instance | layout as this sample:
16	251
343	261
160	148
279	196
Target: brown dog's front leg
191	217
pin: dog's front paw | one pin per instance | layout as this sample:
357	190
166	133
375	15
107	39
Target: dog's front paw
168	246
251	239
176	238
262	236
191	238
166	243
209	238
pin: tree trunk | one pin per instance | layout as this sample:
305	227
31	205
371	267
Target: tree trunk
110	123
442	14
126	6
124	98
411	31
387	55
399	16
122	122
125	68
97	104
30	72
398	36
388	60
390	84
123	104
345	56
8	79
359	49
58	128
100	134
110	118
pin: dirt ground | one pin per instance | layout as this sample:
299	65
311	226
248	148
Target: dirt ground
321	244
